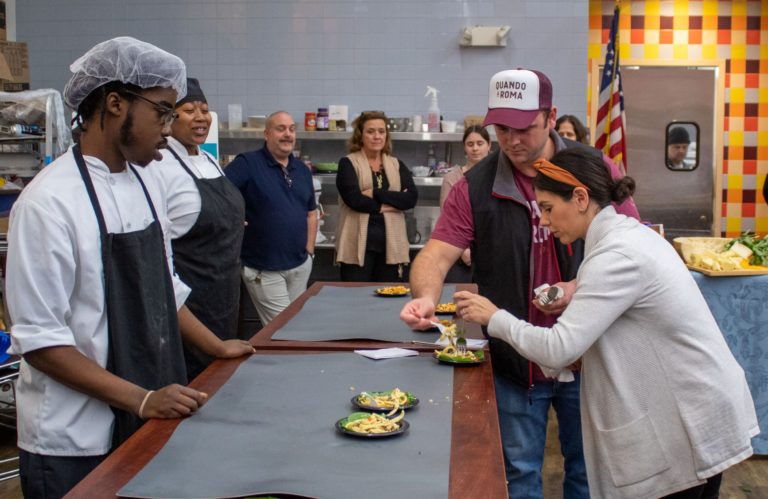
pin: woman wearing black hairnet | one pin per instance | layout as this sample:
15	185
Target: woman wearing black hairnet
207	214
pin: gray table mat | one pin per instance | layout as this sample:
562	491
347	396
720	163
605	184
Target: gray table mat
343	313
270	429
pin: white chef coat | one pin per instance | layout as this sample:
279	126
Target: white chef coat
55	293
182	195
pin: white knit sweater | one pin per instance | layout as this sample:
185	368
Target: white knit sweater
664	404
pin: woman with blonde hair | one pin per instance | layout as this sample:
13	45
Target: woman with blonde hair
375	189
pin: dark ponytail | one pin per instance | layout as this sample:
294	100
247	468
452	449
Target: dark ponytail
622	189
592	172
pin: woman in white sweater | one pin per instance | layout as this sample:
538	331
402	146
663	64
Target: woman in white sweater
665	407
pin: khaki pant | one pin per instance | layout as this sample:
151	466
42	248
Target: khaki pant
272	291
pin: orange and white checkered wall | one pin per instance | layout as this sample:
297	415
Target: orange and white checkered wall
733	31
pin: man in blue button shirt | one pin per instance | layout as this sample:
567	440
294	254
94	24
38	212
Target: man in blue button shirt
281	216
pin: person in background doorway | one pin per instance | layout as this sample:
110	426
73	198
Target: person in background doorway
206	213
665	406
569	127
281	215
678	142
375	189
477	145
494	209
91	292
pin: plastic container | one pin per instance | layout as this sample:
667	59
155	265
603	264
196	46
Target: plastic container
416	123
431	158
322	119
235	112
18	130
421	171
310	122
448	126
5	343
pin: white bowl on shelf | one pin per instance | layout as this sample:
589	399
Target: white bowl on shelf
421	171
449	126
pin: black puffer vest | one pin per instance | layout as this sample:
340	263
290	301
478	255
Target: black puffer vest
501	256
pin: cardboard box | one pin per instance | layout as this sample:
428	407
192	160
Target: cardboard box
2	21
14	66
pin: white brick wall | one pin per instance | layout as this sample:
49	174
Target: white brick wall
299	55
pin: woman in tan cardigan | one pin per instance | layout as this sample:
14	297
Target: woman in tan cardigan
374	190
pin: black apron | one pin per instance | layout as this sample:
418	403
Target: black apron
145	345
207	259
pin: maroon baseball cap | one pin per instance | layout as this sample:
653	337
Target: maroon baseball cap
516	96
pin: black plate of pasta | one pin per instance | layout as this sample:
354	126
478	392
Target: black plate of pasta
372	425
385	401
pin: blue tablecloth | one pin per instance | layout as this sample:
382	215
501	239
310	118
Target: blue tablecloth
740	307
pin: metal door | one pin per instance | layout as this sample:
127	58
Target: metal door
654	96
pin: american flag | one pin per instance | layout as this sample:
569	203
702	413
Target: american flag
611	122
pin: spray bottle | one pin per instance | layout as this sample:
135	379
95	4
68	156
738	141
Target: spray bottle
433	114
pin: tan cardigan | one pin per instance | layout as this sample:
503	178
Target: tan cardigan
352	231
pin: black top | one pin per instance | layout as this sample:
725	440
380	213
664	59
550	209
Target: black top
765	190
348	186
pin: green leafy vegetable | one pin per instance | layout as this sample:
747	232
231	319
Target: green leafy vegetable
355	416
478	353
758	245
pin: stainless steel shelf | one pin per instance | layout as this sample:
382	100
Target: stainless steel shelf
22	138
252	133
330	246
330	178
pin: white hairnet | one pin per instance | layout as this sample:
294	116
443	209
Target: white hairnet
127	60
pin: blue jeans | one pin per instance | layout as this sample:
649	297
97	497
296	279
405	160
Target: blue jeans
523	424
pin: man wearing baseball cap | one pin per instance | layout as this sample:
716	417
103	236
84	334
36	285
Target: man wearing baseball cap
678	142
493	209
95	307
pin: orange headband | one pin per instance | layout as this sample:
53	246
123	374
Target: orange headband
555	172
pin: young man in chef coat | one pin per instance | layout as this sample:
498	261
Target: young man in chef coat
91	295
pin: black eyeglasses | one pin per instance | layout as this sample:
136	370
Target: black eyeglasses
167	113
287	177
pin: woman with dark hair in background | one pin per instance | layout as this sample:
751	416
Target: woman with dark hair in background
569	127
477	145
206	212
375	189
665	407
